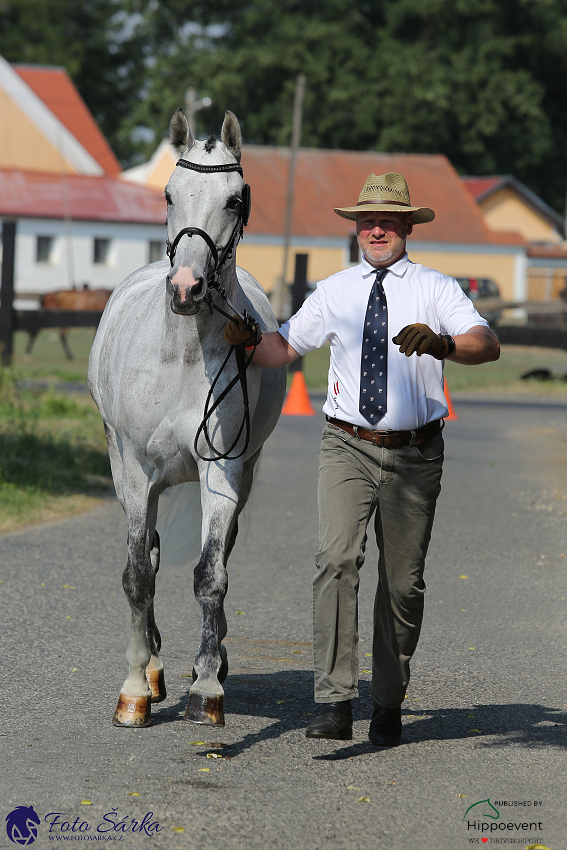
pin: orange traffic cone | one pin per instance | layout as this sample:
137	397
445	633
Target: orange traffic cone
297	402
451	414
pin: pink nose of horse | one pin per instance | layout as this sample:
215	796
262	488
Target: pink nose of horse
187	291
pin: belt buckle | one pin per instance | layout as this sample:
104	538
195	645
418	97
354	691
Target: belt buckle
377	435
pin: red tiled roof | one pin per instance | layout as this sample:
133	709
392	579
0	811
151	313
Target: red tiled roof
325	179
33	194
478	186
56	90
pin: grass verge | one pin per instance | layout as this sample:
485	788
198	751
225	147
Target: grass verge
53	458
501	377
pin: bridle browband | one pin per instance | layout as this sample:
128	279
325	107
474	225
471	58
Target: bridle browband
212	281
210	169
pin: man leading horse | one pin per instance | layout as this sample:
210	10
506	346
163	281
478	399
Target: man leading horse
390	324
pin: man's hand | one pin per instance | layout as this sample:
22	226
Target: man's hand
236	332
421	339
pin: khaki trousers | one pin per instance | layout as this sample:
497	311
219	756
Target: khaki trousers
400	486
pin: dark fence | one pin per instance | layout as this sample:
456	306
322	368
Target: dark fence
545	337
31	321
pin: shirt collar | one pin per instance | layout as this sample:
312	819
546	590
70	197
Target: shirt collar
399	268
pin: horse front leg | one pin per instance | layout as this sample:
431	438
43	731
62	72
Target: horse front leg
138	581
210	582
223	498
154	670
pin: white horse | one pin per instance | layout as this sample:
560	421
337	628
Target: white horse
152	371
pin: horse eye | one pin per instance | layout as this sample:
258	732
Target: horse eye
168	199
233	204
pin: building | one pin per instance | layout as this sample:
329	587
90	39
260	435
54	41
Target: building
507	204
459	242
76	222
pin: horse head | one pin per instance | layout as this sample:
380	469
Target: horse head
206	207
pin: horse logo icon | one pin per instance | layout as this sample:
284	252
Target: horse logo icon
484	814
22	824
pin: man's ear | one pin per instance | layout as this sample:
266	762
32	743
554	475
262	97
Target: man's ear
410	224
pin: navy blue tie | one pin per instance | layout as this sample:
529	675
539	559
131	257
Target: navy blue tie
373	402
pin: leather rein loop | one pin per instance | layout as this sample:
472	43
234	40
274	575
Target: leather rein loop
212	280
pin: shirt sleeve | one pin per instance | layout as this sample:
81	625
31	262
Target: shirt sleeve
305	331
456	311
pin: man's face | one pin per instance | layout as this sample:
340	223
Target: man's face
382	236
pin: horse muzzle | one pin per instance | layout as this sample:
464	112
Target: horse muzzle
186	295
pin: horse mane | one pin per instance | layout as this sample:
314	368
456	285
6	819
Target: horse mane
210	144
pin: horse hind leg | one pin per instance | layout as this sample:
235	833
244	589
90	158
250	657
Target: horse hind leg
65	343
154	670
32	336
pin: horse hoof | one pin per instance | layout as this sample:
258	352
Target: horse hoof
208	711
133	711
156	681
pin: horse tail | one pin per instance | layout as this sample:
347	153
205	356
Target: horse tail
179	524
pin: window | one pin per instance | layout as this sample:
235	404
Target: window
44	248
157	251
101	249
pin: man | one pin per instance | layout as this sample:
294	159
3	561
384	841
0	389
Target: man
390	324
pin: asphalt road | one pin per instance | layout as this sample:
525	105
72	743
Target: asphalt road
484	719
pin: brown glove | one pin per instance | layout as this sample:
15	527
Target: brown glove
421	339
236	332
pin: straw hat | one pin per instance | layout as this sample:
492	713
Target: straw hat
386	193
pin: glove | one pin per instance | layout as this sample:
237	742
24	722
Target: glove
420	339
236	332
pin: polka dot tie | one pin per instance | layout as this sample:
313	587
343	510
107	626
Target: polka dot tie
373	402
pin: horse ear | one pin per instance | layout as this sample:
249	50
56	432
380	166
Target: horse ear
231	135
180	135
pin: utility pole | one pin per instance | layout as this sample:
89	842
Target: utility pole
193	105
298	293
277	304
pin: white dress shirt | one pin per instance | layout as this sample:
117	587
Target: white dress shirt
336	312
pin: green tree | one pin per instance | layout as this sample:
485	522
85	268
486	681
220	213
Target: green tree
96	41
482	81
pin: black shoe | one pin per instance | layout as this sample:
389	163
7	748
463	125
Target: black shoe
385	726
335	721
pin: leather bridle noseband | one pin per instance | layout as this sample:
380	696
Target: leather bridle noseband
212	281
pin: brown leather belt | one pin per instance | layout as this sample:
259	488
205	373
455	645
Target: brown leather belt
391	439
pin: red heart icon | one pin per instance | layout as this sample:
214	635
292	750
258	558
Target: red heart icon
484	840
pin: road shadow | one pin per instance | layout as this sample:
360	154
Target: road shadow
490	726
286	697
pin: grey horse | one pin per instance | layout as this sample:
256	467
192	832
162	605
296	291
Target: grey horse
152	371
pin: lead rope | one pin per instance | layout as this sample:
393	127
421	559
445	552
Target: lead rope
242	364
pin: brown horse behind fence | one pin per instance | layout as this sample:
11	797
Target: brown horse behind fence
84	299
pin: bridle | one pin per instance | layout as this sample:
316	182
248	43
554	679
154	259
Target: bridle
212	281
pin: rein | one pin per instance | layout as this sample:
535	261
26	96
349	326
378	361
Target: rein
212	281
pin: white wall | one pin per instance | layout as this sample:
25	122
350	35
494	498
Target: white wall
71	260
